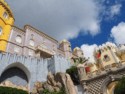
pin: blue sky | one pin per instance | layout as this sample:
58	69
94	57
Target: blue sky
105	27
85	23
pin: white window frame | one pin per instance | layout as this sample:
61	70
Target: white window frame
1	30
5	15
18	39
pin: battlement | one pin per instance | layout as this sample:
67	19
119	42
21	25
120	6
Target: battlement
7	7
36	69
105	47
99	73
109	58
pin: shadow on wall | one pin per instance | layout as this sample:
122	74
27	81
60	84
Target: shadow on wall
15	75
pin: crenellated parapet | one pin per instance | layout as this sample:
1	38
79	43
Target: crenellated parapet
35	69
7	7
105	54
106	60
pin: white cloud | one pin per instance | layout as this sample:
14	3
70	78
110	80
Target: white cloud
115	9
58	18
88	51
118	33
110	12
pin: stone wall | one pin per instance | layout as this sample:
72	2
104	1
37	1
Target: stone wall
35	69
58	64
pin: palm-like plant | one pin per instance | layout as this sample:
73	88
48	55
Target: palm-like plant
79	60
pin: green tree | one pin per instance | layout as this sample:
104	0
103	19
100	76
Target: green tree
120	87
73	72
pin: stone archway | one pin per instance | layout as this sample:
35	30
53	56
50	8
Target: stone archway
17	73
109	84
111	87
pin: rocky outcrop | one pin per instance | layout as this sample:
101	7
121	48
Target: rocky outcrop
10	84
66	82
56	83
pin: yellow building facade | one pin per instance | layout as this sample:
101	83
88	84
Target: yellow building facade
6	22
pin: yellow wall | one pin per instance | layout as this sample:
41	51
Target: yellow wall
111	61
6	28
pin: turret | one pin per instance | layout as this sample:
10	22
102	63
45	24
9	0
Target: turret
66	47
105	55
6	22
78	52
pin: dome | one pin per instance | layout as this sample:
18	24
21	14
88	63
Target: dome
64	41
77	48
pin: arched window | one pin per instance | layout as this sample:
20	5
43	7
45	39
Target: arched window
0	30
31	42
18	39
5	15
106	58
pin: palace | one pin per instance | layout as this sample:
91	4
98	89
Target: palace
30	41
27	55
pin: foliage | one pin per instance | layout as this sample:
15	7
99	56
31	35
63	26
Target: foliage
79	60
73	72
120	87
46	91
9	90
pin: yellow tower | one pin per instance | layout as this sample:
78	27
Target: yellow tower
6	22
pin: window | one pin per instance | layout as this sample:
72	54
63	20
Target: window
16	49
106	58
30	53
5	15
31	43
0	30
19	39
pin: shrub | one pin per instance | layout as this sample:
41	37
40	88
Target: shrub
73	72
46	91
120	87
9	90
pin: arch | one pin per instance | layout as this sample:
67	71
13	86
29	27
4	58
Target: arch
108	81
15	75
20	68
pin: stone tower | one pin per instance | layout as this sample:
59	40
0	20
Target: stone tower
78	52
66	47
106	55
6	22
